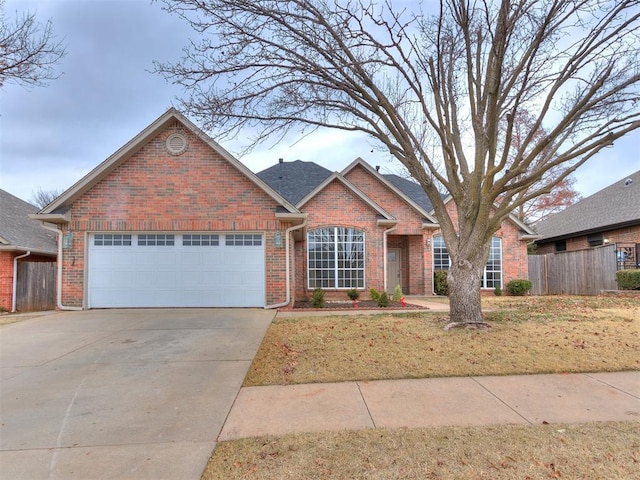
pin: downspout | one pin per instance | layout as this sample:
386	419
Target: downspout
15	279
384	253
59	265
287	266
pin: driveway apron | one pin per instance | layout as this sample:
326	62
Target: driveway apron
127	394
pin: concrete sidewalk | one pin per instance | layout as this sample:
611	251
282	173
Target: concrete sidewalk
466	401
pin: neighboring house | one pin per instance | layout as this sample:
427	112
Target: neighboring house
22	241
610	216
173	220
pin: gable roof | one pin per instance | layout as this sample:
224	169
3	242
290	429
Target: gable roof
294	180
298	180
55	211
411	192
18	232
615	206
385	217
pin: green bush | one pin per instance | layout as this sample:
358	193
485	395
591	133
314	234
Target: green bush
397	293
317	300
383	300
497	291
519	286
353	294
440	286
375	296
628	279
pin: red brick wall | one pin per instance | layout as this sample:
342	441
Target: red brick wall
409	221
156	191
6	279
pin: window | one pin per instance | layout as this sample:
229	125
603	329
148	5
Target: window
336	258
108	240
200	240
441	260
156	240
492	275
243	240
561	246
595	240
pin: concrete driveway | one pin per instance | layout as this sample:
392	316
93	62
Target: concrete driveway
127	394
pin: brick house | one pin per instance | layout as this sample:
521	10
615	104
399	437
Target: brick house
609	216
172	219
22	241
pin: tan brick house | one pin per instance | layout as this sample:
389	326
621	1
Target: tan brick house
173	220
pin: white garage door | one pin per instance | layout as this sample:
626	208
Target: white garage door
176	270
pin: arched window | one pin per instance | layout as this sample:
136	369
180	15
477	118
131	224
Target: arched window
492	275
335	258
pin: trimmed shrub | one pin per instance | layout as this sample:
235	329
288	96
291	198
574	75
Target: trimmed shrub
317	301
628	279
353	294
519	286
497	291
375	296
440	286
397	293
383	300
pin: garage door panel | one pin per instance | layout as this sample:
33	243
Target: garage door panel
178	275
153	279
113	256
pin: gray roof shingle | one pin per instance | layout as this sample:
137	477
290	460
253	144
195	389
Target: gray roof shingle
294	180
616	205
19	231
411	189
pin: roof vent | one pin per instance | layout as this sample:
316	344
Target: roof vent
628	182
176	144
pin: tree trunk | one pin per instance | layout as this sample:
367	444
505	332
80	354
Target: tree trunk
463	280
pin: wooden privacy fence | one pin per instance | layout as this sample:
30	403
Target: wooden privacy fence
581	272
36	286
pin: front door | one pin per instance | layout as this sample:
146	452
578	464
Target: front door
393	269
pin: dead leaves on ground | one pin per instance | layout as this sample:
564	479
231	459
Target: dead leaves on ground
329	349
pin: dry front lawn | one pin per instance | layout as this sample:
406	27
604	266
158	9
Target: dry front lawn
528	335
509	452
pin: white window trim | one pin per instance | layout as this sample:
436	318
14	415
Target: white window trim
335	267
484	271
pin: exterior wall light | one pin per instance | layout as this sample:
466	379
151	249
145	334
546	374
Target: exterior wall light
67	240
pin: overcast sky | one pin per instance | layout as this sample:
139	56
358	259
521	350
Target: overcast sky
50	137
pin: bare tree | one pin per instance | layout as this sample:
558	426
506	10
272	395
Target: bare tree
562	195
404	77
41	198
28	50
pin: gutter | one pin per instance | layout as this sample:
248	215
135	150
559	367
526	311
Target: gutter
15	279
287	266
59	264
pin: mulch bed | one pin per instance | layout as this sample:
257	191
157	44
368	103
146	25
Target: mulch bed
362	305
